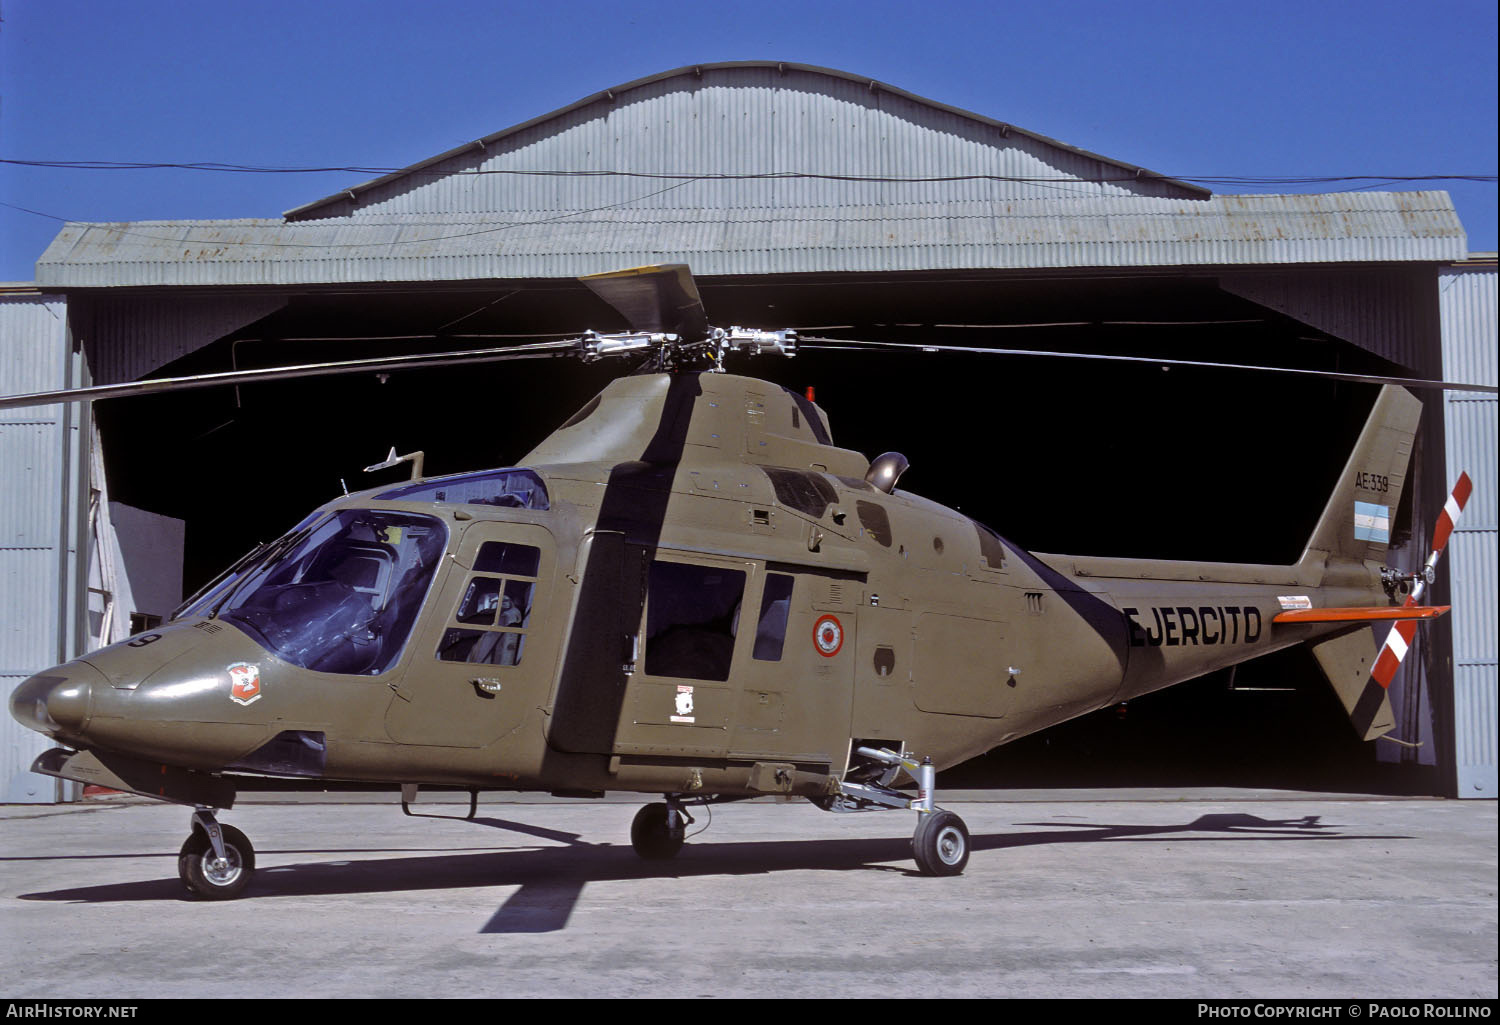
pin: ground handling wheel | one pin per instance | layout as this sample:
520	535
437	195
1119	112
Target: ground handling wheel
657	832
941	844
208	878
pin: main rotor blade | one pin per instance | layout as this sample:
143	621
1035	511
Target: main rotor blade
654	299
538	350
848	344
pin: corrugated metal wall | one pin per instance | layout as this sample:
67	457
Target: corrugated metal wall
1467	298
39	451
127	337
61	566
1387	310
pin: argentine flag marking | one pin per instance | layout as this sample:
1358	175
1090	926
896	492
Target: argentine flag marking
1372	522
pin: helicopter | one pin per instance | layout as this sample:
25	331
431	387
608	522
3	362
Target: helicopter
689	591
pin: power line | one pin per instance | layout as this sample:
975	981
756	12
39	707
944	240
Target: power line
1142	176
678	180
362	245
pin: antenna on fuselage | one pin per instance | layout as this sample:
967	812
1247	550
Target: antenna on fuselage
415	458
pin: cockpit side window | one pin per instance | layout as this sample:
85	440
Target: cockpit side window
495	608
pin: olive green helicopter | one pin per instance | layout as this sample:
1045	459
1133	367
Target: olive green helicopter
686	590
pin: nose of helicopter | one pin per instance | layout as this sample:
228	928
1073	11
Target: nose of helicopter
57	702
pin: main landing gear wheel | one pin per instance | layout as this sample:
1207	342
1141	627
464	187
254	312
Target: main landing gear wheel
941	844
209	877
657	832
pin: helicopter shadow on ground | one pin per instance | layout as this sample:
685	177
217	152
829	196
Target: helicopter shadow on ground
551	879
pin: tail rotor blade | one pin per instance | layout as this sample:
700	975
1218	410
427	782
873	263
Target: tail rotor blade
1447	520
1452	509
1396	644
1402	633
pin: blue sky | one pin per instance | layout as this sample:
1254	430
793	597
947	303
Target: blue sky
1269	89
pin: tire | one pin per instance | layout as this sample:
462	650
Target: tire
208	881
657	832
941	844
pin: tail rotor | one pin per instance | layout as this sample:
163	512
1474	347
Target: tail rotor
1401	635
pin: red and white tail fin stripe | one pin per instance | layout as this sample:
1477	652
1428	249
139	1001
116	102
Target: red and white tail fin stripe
1401	634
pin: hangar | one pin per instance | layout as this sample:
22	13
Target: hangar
811	198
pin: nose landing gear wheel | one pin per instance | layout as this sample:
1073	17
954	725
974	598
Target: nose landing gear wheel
657	832
941	844
209	878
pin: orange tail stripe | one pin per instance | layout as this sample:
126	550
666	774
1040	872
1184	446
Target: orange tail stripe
1358	614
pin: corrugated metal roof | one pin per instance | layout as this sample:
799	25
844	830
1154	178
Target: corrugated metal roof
1099	231
746	117
790	169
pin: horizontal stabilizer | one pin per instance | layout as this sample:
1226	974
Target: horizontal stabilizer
1361	614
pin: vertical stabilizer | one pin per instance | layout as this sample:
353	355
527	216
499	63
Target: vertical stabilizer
1346	660
1356	523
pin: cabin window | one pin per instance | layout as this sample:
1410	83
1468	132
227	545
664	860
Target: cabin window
770	629
511	559
495	609
508	489
802	490
692	617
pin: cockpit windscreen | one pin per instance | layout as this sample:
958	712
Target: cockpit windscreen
341	596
